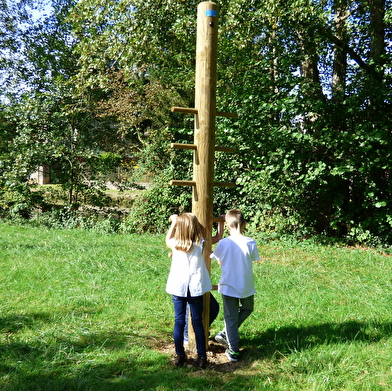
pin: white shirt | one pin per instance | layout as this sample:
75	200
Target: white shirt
236	254
188	270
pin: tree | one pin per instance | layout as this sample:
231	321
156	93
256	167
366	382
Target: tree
46	123
310	82
302	77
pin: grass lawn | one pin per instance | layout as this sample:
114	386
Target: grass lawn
84	311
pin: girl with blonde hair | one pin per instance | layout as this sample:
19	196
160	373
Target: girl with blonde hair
187	282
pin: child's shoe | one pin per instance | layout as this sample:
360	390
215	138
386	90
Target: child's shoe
202	362
232	355
221	338
180	361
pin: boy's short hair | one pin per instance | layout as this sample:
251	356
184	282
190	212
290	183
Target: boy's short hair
235	219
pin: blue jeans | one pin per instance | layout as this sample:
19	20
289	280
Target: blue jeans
214	311
196	307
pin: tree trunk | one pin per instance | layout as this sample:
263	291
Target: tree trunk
339	52
311	75
377	31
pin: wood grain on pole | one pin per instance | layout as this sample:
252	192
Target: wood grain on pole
183	146
205	104
204	136
194	111
193	147
183	110
182	183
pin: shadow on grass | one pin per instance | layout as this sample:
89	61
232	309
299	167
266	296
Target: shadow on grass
14	323
109	360
61	360
298	338
115	375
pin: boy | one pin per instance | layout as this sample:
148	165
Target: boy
235	255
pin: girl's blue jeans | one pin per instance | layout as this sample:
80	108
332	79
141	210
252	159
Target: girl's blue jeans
214	311
196	307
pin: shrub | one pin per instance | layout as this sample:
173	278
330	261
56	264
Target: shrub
151	209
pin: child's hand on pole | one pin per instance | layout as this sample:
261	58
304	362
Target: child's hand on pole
173	219
172	228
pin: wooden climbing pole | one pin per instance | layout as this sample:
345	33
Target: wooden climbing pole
204	136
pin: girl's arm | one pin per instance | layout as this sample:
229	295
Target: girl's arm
170	232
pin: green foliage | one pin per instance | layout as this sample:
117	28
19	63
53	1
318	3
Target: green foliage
310	81
67	217
109	161
152	208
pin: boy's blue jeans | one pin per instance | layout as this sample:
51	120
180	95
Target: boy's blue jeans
196	307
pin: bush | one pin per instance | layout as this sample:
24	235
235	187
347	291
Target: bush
151	209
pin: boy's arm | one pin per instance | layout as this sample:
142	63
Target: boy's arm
256	256
170	232
219	231
214	255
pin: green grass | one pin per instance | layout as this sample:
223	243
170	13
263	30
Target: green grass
83	311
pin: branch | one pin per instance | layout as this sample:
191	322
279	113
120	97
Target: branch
356	57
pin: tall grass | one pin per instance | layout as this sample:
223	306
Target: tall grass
87	311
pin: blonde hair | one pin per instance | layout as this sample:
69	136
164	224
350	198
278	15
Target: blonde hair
235	219
188	231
